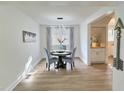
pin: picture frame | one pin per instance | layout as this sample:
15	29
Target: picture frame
28	36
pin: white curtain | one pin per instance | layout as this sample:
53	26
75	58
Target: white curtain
60	33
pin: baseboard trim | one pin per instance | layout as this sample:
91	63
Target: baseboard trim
15	83
43	59
20	78
36	62
83	60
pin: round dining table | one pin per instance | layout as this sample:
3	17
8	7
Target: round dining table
60	54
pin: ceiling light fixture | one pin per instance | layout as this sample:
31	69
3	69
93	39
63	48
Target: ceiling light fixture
59	18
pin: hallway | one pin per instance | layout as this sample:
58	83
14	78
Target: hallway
82	78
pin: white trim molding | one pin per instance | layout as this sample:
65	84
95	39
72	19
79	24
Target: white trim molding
83	60
22	75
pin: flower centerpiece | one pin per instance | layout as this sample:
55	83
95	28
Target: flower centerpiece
61	40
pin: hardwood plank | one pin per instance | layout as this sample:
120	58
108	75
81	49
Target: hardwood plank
97	77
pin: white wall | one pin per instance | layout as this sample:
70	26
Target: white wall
84	42
84	33
77	40
14	54
43	39
118	76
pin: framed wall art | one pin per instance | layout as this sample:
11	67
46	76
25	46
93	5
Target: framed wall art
28	36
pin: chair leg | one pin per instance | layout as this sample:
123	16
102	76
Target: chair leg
71	67
46	65
73	64
54	64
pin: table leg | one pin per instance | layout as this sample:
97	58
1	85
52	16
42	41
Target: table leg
60	63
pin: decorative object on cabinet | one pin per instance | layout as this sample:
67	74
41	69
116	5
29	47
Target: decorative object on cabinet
98	37
95	41
118	62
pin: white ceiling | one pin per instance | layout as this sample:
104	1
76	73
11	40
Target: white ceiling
73	12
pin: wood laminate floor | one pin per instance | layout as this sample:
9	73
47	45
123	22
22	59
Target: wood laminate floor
97	77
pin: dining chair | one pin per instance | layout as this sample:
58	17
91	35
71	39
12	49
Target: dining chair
71	58
49	59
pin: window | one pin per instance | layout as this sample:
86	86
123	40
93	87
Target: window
61	37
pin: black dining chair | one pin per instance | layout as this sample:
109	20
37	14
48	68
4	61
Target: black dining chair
70	59
49	60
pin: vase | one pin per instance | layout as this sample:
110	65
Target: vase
61	46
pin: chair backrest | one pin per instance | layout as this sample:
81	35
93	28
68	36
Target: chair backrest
47	55
73	53
59	47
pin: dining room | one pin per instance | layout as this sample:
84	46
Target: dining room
61	50
61	67
61	43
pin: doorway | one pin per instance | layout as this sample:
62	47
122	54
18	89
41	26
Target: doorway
101	39
110	41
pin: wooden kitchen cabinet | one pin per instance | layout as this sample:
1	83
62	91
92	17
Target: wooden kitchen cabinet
97	55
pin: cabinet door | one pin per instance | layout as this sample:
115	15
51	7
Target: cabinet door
97	55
